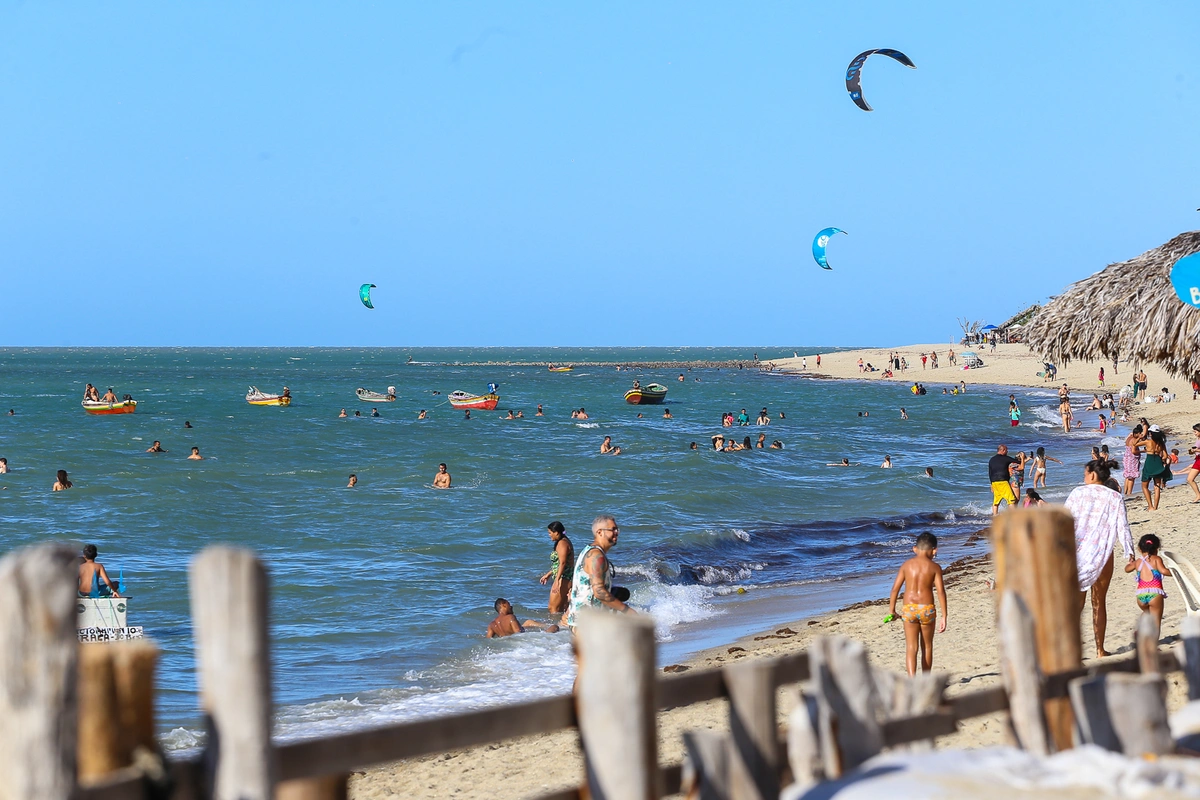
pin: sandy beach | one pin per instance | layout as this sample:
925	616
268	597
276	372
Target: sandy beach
967	650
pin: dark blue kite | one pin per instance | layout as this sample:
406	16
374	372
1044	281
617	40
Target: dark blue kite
854	73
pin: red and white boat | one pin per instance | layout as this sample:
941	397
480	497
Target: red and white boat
487	402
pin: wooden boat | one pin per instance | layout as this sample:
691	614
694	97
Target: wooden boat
560	369
651	394
486	402
101	407
367	396
256	398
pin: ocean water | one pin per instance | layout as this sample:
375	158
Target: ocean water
380	593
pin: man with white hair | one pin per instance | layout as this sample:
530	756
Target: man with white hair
594	573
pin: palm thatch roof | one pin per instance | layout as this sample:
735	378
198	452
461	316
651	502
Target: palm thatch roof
1127	310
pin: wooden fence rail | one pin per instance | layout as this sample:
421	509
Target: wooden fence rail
848	711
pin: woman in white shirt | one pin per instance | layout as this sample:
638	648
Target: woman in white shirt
1100	521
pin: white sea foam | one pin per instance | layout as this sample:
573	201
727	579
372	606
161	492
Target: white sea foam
587	424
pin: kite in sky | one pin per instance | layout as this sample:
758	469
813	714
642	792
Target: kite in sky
854	73
364	294
820	243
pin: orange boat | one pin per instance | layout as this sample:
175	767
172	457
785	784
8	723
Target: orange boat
486	402
118	407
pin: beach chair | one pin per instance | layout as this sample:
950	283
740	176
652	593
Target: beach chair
1187	579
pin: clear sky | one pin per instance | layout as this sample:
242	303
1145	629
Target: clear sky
577	173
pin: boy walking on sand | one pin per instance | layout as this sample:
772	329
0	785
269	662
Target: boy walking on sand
919	576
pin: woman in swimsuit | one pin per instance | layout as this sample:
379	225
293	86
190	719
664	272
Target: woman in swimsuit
562	568
1039	467
1156	468
1150	571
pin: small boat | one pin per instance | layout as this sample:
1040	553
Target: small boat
560	369
367	396
256	398
127	406
487	402
651	394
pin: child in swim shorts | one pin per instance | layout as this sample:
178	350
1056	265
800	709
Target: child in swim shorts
1150	570
919	576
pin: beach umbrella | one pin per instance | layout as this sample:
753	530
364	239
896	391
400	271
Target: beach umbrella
1129	310
989	328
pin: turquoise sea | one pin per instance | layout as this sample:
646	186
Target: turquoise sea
380	593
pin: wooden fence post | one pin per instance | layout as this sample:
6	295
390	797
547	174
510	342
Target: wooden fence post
756	763
116	706
1147	645
38	673
706	765
614	695
803	744
1189	648
849	705
1123	713
99	732
1034	552
1023	679
229	611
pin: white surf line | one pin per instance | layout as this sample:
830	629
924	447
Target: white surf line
1186	578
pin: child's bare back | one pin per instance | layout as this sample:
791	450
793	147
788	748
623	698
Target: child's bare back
920	576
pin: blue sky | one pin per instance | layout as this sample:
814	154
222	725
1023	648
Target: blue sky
577	174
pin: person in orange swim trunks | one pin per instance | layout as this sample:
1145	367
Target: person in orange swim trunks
919	576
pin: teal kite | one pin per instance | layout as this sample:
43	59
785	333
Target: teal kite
364	294
819	244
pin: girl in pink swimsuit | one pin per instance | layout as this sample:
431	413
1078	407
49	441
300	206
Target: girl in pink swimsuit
1150	571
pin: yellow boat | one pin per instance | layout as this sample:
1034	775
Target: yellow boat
560	369
256	398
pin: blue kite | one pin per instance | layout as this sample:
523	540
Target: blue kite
364	294
854	73
821	242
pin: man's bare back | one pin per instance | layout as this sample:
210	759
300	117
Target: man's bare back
506	624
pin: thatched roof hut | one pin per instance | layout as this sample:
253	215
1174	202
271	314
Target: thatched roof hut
1127	310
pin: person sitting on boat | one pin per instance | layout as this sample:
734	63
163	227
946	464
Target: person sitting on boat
91	573
109	396
156	447
637	384
506	622
286	392
391	393
91	393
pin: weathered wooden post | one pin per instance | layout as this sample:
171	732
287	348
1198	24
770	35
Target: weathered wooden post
99	737
756	764
38	652
229	611
116	706
1147	645
849	706
1023	680
1034	551
614	696
1189	649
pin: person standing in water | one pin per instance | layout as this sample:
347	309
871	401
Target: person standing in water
442	479
62	482
562	568
594	573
